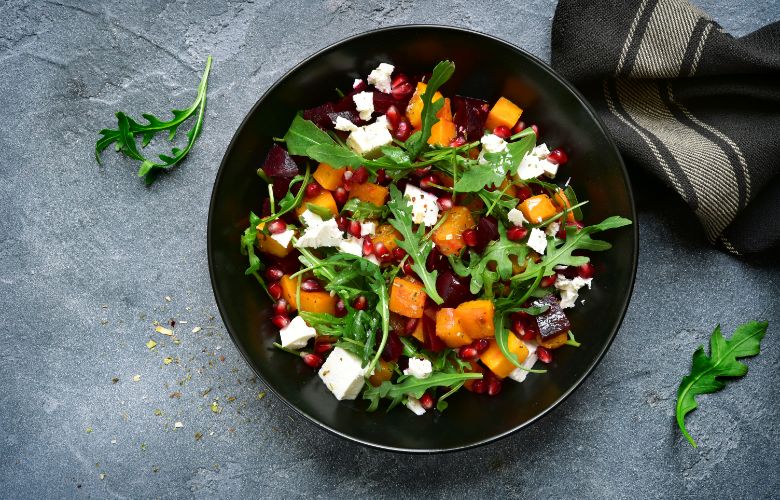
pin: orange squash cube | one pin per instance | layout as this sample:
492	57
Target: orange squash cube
414	110
382	373
442	132
268	245
407	298
445	113
554	342
324	200
418	333
448	328
329	177
495	360
387	235
476	318
504	112
561	201
370	192
449	236
316	302
537	208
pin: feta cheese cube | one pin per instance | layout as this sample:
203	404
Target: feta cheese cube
310	218
380	77
518	374
382	119
367	228
352	246
419	368
550	168
424	207
364	104
369	138
414	404
552	229
284	237
372	258
516	217
325	234
541	151
529	167
537	240
344	125
296	334
357	83
570	288
343	374
493	143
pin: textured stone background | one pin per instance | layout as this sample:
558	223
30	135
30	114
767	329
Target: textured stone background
88	255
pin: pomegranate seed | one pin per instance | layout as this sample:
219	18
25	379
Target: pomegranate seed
519	127
313	189
458	142
523	193
360	302
393	116
407	268
360	175
467	353
558	156
419	172
528	335
275	290
381	177
399	253
548	281
470	237
280	321
273	273
425	182
312	360
479	386
516	233
368	246
494	387
280	307
381	251
518	327
311	285
536	129
398	80
444	202
342	223
354	228
340	195
545	356
426	401
347	175
341	309
403	130
481	345
277	226
502	131
410	326
585	271
322	348
401	88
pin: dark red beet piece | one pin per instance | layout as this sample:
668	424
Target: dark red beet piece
453	289
432	341
320	115
288	264
470	115
279	164
437	261
347	103
382	102
554	320
349	115
393	347
487	231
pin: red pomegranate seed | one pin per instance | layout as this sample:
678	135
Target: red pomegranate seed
518	327
354	228
368	246
502	131
360	175
444	202
558	156
494	387
403	130
516	233
312	360
407	268
398	80
425	182
275	290
399	253
347	175
277	226
311	285
481	345
419	172
458	142
273	273
585	271
322	348
528	335
536	129
381	251
426	401
382	178
280	321
470	237
401	88
479	386
393	116
342	223
360	302
410	326
519	127
280	307
340	195
341	309
544	354
313	189
468	353
548	281
524	193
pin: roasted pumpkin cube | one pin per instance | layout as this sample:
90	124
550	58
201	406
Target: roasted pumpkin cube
449	236
387	235
419	333
554	342
561	201
476	318
382	373
448	328
324	200
415	107
442	132
370	192
316	302
495	360
268	245
537	208
329	177
504	112
407	298
445	113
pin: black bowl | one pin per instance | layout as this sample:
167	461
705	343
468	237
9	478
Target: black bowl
486	67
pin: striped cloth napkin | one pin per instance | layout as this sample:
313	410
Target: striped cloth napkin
695	106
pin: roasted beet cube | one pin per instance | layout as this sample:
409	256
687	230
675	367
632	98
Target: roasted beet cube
553	321
347	103
383	101
453	289
320	115
279	164
289	264
432	341
349	115
470	114
487	231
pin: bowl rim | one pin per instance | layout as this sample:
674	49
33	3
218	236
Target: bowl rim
600	127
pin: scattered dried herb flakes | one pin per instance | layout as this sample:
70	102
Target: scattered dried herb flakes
165	331
196	329
136	378
143	446
89	430
260	395
158	412
175	395
215	407
198	436
230	399
178	425
151	344
115	380
168	360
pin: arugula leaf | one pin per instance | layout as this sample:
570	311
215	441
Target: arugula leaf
413	242
363	210
411	385
722	362
494	166
441	73
290	201
324	213
334	155
513	303
304	134
128	129
497	252
248	241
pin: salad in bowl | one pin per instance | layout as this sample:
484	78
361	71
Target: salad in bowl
416	243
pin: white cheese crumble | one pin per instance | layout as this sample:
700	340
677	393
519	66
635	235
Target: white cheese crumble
310	218
364	103
344	125
296	334
356	83
284	237
369	138
382	119
342	374
419	368
324	234
493	143
372	258
516	217
352	245
570	289
424	207
552	229
414	404
537	240
367	228
380	77
535	164
518	374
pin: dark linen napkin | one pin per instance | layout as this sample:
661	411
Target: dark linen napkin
688	102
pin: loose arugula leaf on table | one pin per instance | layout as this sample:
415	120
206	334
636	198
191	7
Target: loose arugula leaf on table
441	73
416	387
722	362
128	129
413	242
364	210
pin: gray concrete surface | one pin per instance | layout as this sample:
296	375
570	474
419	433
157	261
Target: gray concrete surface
88	255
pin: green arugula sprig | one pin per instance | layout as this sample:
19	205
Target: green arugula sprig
364	210
493	169
419	140
128	130
248	241
706	371
407	385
